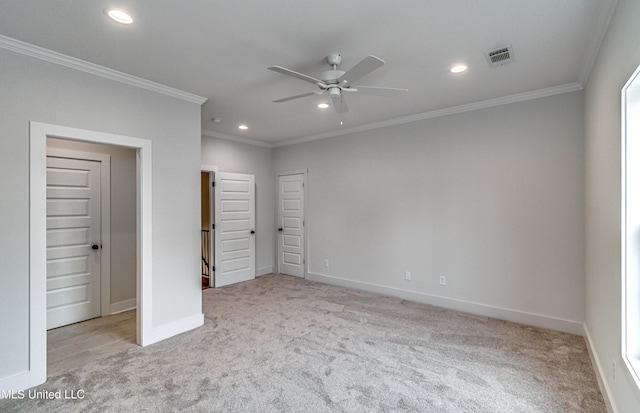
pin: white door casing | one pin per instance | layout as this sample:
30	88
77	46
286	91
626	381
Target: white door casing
146	334
290	236
234	228
73	227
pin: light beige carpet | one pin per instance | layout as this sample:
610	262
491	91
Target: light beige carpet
282	344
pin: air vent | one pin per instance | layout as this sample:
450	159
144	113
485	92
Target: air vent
500	56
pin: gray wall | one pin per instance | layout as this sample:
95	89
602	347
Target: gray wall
619	56
492	199
123	214
237	157
34	90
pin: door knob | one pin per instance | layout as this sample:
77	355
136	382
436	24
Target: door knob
279	229
95	247
253	232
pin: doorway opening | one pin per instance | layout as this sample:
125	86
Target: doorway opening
83	227
39	132
228	226
207	238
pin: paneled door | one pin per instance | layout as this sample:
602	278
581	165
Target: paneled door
291	224
235	252
73	241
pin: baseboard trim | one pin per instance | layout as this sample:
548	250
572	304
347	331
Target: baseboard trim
537	320
122	306
264	271
177	327
12	385
600	372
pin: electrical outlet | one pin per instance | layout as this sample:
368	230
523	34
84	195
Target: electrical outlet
407	276
443	280
613	370
326	263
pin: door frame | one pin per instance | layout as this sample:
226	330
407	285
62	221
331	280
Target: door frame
305	202
38	133
105	216
211	170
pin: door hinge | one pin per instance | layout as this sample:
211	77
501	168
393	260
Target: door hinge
213	226
213	268
213	183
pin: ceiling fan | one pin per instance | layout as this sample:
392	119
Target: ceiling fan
334	82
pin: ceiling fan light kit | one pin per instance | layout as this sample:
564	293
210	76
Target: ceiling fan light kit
335	81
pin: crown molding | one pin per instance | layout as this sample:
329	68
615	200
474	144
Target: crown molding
94	69
605	13
234	138
520	97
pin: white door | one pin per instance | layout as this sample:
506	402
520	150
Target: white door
291	224
73	241
234	228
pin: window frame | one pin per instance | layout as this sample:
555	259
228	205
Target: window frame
630	227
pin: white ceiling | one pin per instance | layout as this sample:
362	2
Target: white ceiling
221	50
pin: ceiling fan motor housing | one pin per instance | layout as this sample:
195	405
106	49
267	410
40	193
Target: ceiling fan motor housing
334	91
330	76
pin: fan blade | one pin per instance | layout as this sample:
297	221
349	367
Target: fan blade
366	66
380	91
339	104
291	73
295	97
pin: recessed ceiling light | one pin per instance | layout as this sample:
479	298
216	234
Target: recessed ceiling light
119	15
323	105
458	69
243	127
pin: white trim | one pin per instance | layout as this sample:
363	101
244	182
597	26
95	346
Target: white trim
75	154
208	168
94	69
607	7
305	201
520	97
17	382
122	306
144	231
105	217
38	133
264	271
516	316
630	199
177	327
484	104
234	138
600	373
